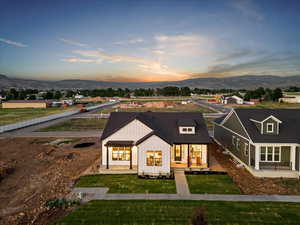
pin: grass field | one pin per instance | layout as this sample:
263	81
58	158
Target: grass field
291	93
149	212
212	184
127	184
8	116
177	108
271	105
77	124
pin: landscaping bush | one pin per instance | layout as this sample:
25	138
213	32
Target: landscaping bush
60	203
199	217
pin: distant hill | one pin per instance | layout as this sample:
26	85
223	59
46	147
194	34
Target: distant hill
237	82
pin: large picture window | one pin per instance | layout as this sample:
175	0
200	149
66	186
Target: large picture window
270	154
154	158
121	153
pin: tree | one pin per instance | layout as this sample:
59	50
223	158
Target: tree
185	91
277	94
57	95
48	95
70	94
32	97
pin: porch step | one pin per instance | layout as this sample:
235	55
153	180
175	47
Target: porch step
236	163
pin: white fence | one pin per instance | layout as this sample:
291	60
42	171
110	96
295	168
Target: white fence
27	123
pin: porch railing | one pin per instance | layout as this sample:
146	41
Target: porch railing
275	165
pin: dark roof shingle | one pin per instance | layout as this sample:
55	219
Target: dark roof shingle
164	125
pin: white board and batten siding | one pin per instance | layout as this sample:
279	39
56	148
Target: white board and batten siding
154	143
133	131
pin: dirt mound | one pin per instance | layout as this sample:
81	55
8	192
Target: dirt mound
6	168
41	172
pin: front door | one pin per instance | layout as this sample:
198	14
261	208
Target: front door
178	153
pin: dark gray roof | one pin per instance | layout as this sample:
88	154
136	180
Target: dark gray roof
220	119
186	122
163	124
288	129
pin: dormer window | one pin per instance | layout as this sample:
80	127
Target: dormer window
270	127
186	130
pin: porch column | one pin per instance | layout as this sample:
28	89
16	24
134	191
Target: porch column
257	156
188	156
107	157
130	165
293	157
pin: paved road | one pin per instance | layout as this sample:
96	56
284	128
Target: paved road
217	107
30	131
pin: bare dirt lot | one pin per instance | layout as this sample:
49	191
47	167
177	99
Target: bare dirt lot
34	172
249	184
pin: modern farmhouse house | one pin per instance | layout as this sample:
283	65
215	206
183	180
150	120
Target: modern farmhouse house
153	143
265	141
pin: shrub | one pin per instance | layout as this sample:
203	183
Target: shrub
198	218
60	203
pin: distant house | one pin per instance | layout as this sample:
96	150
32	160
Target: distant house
1	98
78	97
231	99
290	99
265	141
26	104
154	143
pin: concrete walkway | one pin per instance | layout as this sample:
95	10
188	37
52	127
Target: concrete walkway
101	194
182	186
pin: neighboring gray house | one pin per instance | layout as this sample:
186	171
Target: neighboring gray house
265	141
154	143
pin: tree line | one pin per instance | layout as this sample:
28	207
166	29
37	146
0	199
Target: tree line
32	94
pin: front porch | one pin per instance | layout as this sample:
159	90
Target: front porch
190	156
117	170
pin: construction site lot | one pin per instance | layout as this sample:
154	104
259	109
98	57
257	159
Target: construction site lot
8	116
156	106
34	170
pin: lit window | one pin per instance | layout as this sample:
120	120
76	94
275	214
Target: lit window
154	158
121	153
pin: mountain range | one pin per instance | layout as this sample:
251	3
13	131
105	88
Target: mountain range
236	82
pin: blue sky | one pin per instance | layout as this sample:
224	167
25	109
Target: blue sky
141	40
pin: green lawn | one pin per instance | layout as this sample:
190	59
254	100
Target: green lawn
77	124
127	184
149	212
211	184
8	116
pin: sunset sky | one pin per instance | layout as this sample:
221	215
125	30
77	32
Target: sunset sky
144	40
